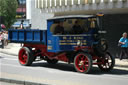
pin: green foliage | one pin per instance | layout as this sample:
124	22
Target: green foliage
8	10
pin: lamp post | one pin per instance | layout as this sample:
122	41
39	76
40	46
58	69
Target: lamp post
22	15
0	23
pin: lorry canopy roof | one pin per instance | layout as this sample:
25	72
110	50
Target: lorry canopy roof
71	17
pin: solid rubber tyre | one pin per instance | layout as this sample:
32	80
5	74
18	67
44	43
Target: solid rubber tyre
83	62
107	66
25	56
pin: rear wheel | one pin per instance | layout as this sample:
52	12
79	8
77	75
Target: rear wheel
108	62
83	62
26	56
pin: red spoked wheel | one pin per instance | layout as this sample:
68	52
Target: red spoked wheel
108	62
25	56
83	62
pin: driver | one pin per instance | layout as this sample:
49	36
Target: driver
59	29
77	28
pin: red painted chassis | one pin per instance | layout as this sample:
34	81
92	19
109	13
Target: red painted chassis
83	57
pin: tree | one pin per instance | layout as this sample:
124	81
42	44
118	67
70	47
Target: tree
8	11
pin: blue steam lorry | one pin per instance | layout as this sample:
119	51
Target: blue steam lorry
76	39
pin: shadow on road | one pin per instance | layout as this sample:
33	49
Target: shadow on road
115	71
59	66
70	68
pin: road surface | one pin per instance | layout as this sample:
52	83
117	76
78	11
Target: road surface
59	74
5	83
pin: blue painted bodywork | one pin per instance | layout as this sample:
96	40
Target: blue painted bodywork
55	43
27	36
58	43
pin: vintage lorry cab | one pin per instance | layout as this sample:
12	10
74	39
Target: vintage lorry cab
76	39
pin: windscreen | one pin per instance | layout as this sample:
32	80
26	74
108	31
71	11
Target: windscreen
73	26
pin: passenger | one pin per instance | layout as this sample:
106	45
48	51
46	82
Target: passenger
59	29
77	28
124	46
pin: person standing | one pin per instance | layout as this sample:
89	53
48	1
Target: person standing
2	40
5	38
124	46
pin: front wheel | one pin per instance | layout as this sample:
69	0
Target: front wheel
25	56
108	62
83	62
